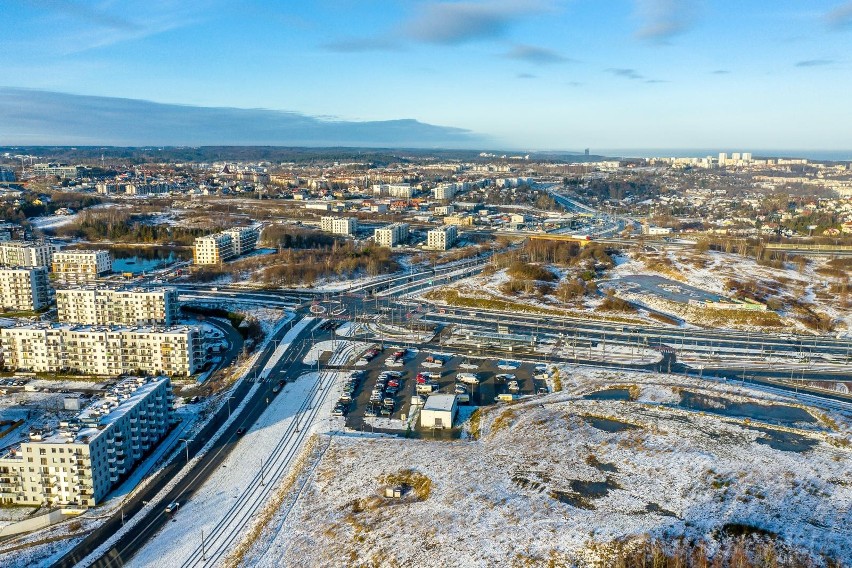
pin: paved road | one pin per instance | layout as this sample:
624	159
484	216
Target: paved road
153	520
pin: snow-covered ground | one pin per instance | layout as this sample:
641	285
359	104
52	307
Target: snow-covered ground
547	478
345	350
52	221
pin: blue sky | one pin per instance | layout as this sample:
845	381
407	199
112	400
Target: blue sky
531	74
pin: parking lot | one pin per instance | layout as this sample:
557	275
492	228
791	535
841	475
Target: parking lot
496	378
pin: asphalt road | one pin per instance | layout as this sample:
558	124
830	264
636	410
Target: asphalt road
153	520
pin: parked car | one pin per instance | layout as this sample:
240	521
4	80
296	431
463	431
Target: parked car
503	377
460	389
470	378
371	411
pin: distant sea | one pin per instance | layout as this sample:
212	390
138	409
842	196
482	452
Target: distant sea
828	155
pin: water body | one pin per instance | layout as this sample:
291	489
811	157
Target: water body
138	262
775	413
785	441
609	394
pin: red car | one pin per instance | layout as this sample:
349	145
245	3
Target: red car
421	379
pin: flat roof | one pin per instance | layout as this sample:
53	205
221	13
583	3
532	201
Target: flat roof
443	402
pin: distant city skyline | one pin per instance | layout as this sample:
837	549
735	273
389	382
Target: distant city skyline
525	75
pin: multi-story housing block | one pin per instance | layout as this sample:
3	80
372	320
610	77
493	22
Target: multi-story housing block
81	266
102	350
135	306
24	289
79	462
339	225
26	254
391	235
441	238
217	248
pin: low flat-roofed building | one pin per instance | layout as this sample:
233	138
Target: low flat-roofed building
439	411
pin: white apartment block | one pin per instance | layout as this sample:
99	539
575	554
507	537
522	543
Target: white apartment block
398	190
80	461
444	192
339	225
26	254
213	249
101	350
24	289
132	307
81	266
391	235
217	248
441	238
244	239
54	169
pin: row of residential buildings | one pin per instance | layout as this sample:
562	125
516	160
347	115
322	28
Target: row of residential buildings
78	461
217	248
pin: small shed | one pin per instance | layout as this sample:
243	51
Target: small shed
439	411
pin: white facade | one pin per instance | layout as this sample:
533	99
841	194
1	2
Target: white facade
24	289
391	235
26	254
105	351
79	462
98	306
398	190
339	225
439	411
441	238
81	266
444	191
217	248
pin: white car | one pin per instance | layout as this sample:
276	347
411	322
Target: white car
172	507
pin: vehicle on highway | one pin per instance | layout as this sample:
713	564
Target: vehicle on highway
241	431
172	507
277	387
470	378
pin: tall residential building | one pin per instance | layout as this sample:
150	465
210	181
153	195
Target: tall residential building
105	351
441	238
244	239
219	247
391	235
723	158
26	254
339	225
398	190
134	306
54	169
81	266
24	289
80	462
444	191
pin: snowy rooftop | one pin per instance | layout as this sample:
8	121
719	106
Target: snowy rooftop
443	402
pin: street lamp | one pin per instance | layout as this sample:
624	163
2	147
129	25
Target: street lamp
186	446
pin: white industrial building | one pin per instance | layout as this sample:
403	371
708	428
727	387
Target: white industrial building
81	266
26	254
339	225
441	238
102	350
439	411
392	235
24	289
105	306
80	461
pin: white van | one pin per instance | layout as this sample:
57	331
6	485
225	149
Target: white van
470	378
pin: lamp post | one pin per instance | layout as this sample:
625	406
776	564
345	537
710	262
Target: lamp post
186	446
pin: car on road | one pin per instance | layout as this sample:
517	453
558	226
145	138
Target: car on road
172	507
277	387
241	431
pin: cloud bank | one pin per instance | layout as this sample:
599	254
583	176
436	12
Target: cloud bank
30	117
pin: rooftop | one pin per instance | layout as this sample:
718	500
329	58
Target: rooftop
444	402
